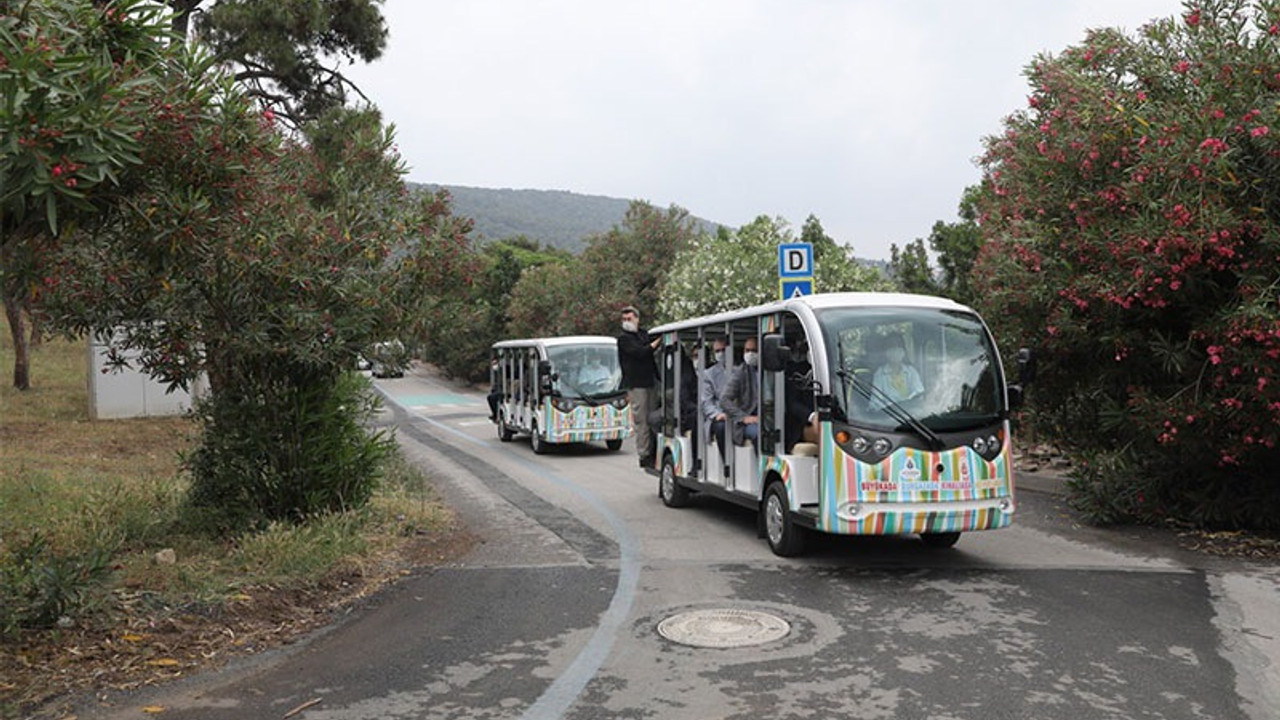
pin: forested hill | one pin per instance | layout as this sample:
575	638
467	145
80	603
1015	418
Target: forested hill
552	217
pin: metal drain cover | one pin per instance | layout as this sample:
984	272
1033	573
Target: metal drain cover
723	628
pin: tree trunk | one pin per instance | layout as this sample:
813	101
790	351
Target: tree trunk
21	351
36	334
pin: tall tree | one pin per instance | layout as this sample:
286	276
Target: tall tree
628	265
288	54
956	246
911	270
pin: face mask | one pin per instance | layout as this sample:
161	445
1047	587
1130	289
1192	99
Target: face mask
719	356
628	326
751	358
896	355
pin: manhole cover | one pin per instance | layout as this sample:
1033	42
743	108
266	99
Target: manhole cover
723	628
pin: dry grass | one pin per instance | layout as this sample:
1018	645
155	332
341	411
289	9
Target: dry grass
117	484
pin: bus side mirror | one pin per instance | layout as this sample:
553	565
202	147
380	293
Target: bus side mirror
545	376
773	355
1026	366
1026	374
1016	397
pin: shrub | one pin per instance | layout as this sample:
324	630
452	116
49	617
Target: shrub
285	446
1130	216
40	585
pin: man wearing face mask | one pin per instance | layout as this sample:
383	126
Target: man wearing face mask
639	376
741	402
895	378
714	380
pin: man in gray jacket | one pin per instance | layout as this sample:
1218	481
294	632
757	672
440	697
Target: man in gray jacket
714	380
741	402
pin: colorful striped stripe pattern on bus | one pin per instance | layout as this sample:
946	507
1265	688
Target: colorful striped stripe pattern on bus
675	447
909	475
585	423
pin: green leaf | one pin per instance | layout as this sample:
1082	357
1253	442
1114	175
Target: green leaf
51	212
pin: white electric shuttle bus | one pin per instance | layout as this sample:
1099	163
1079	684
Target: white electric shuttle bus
878	413
562	390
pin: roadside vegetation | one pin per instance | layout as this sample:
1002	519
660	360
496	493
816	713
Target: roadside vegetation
1131	221
107	578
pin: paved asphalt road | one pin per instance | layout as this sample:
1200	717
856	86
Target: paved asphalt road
554	615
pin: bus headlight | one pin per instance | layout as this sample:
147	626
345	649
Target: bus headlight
620	402
860	445
881	446
562	404
980	445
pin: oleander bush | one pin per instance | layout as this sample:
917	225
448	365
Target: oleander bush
1131	217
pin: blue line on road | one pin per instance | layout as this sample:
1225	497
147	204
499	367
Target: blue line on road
436	399
561	694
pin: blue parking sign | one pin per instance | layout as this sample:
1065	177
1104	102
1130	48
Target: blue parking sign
795	260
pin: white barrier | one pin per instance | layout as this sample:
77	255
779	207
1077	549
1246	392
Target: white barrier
127	393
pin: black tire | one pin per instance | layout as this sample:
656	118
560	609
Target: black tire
942	540
504	432
535	440
786	539
614	445
673	494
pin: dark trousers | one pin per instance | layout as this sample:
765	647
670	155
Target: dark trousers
494	398
717	432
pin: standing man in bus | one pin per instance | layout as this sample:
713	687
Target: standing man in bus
639	378
495	389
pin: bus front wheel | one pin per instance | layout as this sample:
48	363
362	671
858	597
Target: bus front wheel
786	539
538	443
673	494
614	444
941	540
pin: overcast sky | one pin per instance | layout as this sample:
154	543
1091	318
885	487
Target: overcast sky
868	114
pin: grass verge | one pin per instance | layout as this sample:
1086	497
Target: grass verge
102	587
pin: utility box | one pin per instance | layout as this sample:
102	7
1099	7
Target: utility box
129	392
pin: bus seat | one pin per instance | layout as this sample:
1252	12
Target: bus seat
805	449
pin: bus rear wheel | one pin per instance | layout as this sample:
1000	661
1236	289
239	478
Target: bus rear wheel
615	444
504	432
673	494
942	540
786	539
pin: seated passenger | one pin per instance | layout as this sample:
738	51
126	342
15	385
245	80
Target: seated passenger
741	401
711	390
801	421
895	378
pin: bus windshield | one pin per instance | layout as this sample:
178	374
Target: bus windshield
896	367
585	371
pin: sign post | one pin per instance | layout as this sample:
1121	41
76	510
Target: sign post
795	270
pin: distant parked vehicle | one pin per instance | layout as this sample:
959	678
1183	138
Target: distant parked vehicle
388	359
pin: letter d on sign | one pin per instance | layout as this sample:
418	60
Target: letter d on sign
795	260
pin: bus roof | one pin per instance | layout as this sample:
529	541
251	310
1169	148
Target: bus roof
818	302
558	341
